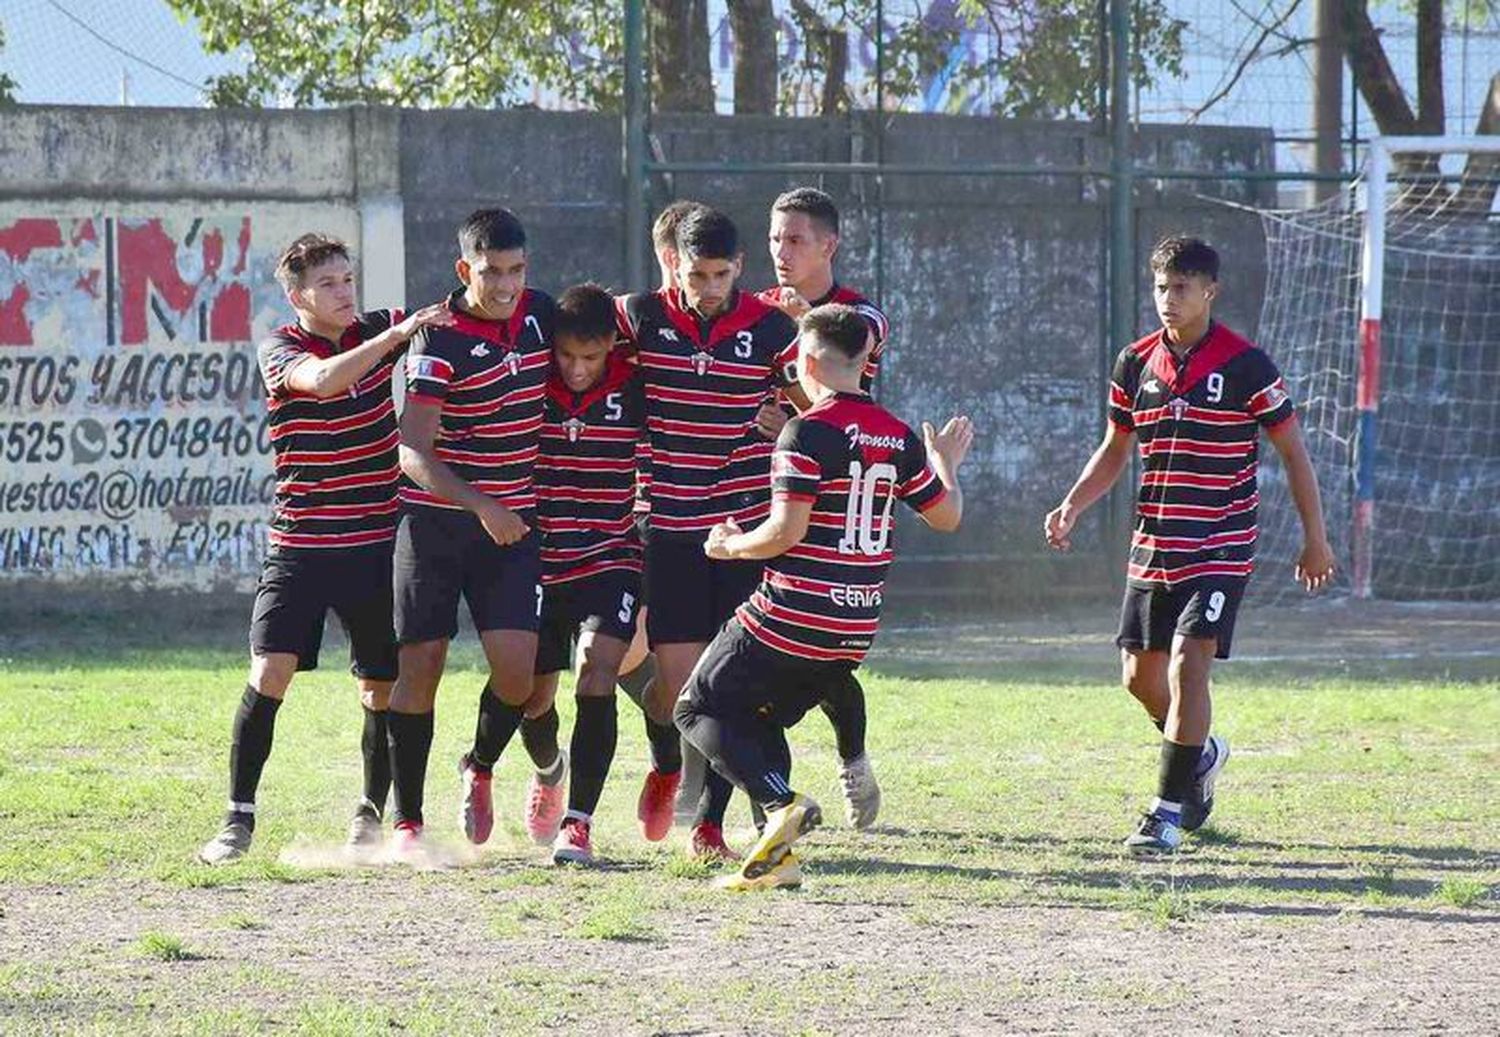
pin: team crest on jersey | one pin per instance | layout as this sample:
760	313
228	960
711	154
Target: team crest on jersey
512	361
574	429
1178	406
666	334
702	362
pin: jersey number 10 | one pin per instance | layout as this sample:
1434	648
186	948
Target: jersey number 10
864	514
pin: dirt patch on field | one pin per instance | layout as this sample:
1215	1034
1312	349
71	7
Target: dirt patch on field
407	950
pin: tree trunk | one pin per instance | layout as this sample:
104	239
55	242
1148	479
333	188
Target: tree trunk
1481	180
753	23
1430	66
1373	75
679	56
836	76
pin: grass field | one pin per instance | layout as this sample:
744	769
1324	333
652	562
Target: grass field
1349	883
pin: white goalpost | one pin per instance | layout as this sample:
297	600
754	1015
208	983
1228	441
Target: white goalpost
1382	308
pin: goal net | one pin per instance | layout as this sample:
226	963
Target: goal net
1382	309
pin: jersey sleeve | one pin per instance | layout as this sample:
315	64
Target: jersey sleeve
919	488
628	324
881	329
277	356
796	464
784	334
428	372
1266	396
1122	385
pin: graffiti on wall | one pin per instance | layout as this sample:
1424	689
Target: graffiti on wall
133	427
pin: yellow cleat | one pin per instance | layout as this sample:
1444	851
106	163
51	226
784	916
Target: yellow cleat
784	874
783	827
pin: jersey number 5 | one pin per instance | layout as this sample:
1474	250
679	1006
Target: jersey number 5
864	513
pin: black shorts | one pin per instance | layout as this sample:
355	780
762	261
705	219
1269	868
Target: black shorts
298	586
443	555
738	676
605	603
1151	616
691	595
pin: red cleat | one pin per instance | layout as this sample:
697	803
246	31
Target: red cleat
573	845
654	809
545	805
407	844
477	814
708	843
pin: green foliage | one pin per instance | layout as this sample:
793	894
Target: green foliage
495	53
413	53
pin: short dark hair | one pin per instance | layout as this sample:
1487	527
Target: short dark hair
838	327
813	203
490	230
1178	254
664	230
585	311
707	233
308	251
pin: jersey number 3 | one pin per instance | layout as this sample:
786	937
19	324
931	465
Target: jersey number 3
865	513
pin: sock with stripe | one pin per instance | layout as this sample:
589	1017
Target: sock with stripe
249	748
1175	779
592	751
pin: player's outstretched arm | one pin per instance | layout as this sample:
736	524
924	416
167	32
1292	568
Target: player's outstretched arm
420	422
1315	563
946	451
327	377
1098	475
776	535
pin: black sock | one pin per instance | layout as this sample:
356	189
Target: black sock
493	730
249	748
666	747
375	745
715	802
1175	777
595	732
635	683
845	707
539	735
410	738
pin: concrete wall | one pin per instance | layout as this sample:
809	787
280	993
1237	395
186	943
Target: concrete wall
995	287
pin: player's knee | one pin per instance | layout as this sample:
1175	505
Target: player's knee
596	678
375	695
271	675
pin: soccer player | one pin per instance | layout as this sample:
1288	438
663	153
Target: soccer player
1196	396
838	469
804	240
708	353
333	434
593	427
469	438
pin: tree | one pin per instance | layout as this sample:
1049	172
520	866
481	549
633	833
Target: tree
1024	58
419	53
1392	110
680	69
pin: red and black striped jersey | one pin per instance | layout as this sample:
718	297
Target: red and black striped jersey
1198	420
853	459
336	464
866	309
489	377
586	474
704	381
